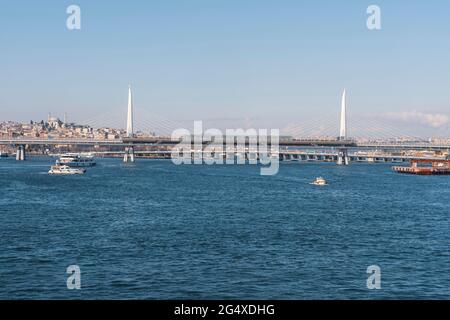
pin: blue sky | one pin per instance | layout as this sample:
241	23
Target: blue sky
221	59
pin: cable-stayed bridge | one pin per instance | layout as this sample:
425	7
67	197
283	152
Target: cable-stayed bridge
146	129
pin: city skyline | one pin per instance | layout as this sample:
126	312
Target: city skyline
226	61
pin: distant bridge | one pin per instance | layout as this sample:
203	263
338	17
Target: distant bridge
284	156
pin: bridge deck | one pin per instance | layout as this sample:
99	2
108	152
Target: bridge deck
170	142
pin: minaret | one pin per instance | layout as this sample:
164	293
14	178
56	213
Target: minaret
130	114
343	130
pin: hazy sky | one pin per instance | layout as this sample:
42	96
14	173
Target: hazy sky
224	59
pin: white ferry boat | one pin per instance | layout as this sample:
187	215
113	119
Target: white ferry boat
76	160
59	169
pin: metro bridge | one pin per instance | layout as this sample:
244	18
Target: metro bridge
341	147
130	144
167	141
161	141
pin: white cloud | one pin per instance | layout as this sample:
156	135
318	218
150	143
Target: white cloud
434	120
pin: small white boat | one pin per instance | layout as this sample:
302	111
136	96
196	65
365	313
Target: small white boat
58	169
320	182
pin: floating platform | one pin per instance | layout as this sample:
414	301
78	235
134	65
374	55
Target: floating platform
426	167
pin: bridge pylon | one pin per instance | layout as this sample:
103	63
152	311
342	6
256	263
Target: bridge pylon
20	153
343	159
129	155
129	151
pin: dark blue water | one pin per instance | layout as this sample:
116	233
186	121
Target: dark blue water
154	230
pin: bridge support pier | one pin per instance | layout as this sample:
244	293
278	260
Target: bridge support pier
343	159
20	154
129	155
